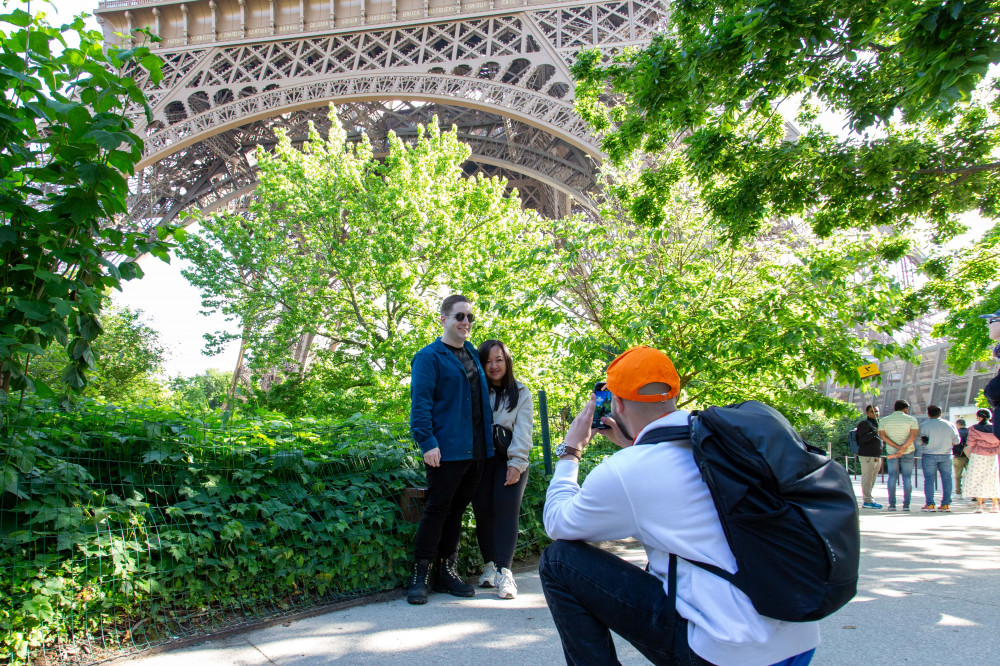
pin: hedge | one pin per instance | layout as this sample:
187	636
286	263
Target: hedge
121	529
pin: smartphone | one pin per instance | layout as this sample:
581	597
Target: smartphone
603	406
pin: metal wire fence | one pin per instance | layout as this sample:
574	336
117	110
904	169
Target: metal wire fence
123	529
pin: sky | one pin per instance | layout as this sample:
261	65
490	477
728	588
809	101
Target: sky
65	10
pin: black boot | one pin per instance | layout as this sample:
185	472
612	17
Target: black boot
448	580
419	580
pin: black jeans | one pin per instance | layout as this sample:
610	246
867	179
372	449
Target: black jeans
592	592
498	512
450	489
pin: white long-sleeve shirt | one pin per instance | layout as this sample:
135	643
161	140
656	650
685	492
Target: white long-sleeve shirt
655	494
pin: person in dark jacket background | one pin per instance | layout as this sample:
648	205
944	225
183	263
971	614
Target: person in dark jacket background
870	454
992	390
959	460
451	420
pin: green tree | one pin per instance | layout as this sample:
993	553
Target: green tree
335	275
761	319
907	76
207	391
65	128
128	355
965	284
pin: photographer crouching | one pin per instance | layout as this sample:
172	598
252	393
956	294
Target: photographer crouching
676	612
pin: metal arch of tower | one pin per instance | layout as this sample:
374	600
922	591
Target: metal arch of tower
498	69
510	146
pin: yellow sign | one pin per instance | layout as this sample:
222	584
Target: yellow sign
869	370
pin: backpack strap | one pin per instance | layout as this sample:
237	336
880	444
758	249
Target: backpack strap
665	434
672	434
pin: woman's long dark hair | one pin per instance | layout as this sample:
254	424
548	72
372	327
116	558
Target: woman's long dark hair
508	385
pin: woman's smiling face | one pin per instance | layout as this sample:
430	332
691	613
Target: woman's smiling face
496	365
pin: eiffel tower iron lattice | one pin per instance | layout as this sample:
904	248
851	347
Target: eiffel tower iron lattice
497	70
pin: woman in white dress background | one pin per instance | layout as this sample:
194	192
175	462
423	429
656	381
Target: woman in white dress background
982	480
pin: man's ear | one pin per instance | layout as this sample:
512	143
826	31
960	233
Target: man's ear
619	403
442	319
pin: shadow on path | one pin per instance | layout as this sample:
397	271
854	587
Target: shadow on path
929	594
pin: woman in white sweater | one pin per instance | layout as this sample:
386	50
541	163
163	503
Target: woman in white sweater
497	504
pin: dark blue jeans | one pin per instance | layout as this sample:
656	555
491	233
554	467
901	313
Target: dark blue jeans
932	464
592	593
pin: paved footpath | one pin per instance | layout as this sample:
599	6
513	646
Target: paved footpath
929	594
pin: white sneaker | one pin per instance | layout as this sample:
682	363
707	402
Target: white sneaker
506	587
490	576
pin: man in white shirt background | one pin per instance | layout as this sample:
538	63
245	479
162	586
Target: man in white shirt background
899	431
656	495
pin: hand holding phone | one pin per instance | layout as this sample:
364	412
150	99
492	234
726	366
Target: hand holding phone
603	406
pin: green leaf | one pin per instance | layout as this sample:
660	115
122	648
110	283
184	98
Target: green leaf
127	270
39	43
23	458
63	108
36	310
43	390
71	375
105	139
9	482
90	328
62	307
8	236
156	455
18	17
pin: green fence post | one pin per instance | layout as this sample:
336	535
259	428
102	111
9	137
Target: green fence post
543	414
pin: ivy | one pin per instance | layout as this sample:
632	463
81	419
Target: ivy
125	528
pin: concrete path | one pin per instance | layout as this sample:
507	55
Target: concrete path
929	594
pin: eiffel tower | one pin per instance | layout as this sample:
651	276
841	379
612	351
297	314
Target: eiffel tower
496	70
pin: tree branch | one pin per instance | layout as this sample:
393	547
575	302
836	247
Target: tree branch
961	170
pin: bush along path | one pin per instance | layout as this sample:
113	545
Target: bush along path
121	529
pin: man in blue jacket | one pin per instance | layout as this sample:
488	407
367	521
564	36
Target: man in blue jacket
451	420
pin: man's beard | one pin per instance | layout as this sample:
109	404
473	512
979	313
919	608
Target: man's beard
621	426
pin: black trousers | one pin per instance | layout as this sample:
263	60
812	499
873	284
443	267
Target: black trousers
450	489
498	512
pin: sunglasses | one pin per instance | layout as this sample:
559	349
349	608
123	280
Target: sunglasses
460	316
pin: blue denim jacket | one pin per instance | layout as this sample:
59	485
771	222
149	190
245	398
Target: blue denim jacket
441	402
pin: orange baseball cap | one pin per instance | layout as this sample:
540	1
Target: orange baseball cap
639	366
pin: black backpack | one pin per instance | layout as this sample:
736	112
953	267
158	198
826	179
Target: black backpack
789	513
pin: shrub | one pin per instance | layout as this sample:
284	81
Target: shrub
123	528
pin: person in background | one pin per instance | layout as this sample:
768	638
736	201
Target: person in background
982	448
450	420
959	460
940	437
497	504
898	430
870	455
